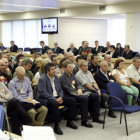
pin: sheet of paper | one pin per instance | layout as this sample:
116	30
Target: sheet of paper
37	133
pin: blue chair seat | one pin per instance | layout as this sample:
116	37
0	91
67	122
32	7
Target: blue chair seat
128	109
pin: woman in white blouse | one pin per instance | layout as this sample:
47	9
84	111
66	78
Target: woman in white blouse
121	77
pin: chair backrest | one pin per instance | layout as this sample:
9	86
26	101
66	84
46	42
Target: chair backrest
115	90
20	49
26	49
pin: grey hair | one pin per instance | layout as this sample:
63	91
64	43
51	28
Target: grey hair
102	63
81	62
26	61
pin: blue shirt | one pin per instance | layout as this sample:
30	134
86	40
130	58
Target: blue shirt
21	89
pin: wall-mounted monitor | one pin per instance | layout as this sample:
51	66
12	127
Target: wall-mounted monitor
49	25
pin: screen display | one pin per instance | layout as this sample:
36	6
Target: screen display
49	25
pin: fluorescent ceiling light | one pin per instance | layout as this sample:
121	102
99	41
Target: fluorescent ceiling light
10	11
83	2
30	6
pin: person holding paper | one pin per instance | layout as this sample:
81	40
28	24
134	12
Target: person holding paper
20	87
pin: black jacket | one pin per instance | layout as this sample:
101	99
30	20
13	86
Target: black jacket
130	54
44	49
119	51
100	49
102	80
115	54
14	48
58	50
75	51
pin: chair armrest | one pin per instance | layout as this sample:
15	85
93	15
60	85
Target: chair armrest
119	100
134	96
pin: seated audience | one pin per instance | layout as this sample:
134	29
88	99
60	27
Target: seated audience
107	58
77	68
127	53
73	49
98	49
20	87
72	88
57	50
71	58
119	49
113	53
44	47
2	47
51	95
133	72
93	66
121	77
13	47
49	54
27	64
103	77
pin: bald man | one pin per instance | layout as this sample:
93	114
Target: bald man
20	87
72	49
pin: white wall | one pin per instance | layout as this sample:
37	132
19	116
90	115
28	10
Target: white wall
78	30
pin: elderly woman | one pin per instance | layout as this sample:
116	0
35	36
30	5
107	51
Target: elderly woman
121	77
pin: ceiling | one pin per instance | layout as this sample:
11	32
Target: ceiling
10	6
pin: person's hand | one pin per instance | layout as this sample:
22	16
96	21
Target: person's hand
33	102
8	71
28	99
59	100
79	92
128	84
99	93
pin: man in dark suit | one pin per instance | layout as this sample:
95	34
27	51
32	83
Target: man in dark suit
50	94
107	46
98	49
72	49
13	47
57	50
103	77
44	47
113	53
127	53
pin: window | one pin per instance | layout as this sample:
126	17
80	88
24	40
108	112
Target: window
25	33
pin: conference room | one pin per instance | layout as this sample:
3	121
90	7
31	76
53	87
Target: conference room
69	69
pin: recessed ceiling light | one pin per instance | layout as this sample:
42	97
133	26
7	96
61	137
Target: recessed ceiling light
31	6
83	2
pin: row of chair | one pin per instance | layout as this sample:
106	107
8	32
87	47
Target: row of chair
29	49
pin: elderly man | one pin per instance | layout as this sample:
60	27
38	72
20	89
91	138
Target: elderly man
20	87
103	77
87	81
73	49
57	50
50	94
107	58
133	72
